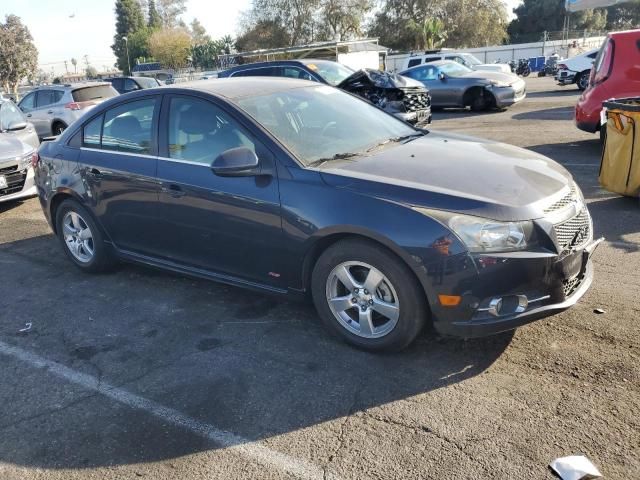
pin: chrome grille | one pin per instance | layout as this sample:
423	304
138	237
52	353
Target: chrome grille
565	201
575	231
416	99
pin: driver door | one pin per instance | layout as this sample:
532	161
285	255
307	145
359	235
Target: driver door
227	225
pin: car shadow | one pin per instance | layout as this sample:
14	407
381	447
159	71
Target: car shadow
255	365
570	91
558	113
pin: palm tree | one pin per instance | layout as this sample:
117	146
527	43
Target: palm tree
429	34
229	43
74	62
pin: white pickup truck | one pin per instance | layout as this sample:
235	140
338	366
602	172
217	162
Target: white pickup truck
398	63
576	69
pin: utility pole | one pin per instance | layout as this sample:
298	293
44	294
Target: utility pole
126	42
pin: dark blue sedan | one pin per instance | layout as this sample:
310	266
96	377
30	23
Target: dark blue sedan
290	187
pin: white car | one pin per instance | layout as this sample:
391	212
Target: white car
466	59
576	69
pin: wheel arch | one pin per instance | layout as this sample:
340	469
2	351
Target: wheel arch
54	203
57	121
470	93
330	238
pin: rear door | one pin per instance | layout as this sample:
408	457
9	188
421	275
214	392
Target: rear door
227	225
41	122
118	162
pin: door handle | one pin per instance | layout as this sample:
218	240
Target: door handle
29	115
174	190
50	111
95	172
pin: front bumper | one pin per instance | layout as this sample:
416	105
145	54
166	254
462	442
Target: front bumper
507	96
542	278
566	77
28	188
418	118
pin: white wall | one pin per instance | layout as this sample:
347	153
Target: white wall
360	60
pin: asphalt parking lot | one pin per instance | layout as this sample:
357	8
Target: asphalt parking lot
144	374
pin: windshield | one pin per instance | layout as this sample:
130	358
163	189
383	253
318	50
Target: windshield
323	123
9	114
147	82
454	69
471	59
332	72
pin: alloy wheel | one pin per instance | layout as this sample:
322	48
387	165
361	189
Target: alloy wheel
78	237
362	299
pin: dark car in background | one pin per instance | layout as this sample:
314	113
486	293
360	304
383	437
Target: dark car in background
279	185
454	85
131	84
400	96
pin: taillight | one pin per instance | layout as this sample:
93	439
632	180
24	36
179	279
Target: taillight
78	105
562	66
35	159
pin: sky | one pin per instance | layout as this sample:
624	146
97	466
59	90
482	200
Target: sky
58	36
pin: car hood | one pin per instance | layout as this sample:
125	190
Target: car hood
509	78
456	173
368	78
12	147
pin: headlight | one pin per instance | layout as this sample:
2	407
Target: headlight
495	83
25	161
483	235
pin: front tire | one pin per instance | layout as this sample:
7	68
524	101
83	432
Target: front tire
368	296
582	80
81	238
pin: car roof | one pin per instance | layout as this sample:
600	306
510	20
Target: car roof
131	76
239	87
69	86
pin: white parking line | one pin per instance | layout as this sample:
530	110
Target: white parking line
241	446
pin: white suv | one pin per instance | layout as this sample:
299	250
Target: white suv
466	59
53	108
576	69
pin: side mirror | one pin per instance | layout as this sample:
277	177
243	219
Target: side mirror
17	125
236	162
441	77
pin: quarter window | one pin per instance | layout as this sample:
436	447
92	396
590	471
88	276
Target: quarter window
127	128
199	131
92	132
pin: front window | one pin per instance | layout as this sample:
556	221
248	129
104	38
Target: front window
127	127
199	131
332	72
453	69
9	114
471	59
322	123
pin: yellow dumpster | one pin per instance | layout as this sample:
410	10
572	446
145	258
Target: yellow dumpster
620	165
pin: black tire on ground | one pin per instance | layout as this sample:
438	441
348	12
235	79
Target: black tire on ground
57	128
481	101
582	80
102	260
413	309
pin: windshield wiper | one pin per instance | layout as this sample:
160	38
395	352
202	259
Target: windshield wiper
407	138
337	156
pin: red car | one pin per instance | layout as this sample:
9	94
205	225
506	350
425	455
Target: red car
615	74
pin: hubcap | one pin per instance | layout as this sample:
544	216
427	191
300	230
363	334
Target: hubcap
362	299
78	237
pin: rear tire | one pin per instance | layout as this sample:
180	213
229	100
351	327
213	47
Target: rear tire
81	238
57	128
389	317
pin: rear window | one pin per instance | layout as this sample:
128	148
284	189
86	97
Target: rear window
147	82
99	92
414	62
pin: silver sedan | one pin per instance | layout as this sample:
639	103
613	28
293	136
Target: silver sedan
454	85
18	144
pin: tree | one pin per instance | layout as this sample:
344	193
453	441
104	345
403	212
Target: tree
18	54
475	23
170	11
343	19
228	43
199	33
129	19
74	62
171	47
91	72
624	16
263	34
428	34
205	55
139	45
154	20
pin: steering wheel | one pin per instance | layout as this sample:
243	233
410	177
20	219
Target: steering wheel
328	127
